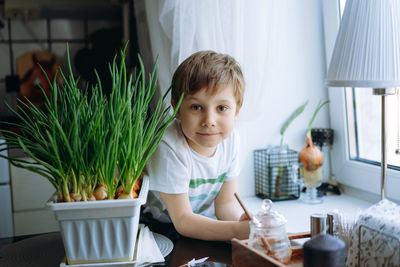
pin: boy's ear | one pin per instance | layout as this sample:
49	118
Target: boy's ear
173	105
237	112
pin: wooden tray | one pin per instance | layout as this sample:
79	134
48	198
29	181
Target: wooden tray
243	255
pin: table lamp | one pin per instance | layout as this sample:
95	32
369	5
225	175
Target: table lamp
367	54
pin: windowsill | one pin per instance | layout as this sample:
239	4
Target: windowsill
298	213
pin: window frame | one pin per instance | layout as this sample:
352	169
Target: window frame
350	172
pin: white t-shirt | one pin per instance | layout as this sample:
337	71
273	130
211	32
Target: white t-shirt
176	168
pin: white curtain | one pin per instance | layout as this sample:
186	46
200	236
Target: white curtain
240	28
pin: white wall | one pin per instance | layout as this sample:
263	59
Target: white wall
298	70
296	73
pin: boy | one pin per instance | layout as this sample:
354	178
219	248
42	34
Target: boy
193	171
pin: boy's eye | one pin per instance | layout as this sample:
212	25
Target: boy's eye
195	107
222	108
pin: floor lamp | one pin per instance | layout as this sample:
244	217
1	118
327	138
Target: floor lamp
367	54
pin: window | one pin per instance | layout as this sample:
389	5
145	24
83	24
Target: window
356	119
364	127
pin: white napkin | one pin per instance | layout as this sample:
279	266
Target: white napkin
193	262
147	250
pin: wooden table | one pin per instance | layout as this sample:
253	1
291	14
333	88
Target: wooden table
48	250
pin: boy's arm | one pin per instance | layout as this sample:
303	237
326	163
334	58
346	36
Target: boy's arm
226	205
197	226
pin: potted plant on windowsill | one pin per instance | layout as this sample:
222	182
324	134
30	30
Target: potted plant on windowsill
311	159
284	167
90	146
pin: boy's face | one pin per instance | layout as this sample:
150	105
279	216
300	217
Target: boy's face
207	119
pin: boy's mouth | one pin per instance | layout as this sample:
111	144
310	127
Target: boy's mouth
208	134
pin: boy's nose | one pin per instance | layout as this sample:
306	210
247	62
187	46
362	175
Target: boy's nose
208	124
208	120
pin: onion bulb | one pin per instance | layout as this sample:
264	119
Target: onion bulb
100	192
76	197
119	191
136	186
310	156
125	196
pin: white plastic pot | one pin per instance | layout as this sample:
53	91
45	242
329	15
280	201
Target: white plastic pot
100	231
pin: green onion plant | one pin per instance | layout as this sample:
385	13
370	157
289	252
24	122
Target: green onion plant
83	139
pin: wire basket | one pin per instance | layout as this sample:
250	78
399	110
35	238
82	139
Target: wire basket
276	173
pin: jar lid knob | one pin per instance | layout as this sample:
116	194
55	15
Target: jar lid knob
266	205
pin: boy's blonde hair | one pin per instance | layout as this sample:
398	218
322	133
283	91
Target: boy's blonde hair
211	70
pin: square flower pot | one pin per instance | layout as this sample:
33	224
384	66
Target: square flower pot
100	231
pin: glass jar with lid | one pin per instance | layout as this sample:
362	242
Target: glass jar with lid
270	225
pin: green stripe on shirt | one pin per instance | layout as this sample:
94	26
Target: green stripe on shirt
197	182
202	196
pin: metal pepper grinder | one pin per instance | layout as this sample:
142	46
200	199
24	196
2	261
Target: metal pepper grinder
321	223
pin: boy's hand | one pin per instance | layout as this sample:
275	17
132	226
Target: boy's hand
197	226
244	217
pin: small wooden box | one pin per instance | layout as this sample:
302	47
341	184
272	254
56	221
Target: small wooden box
246	256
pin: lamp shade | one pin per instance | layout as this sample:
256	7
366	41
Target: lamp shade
367	48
